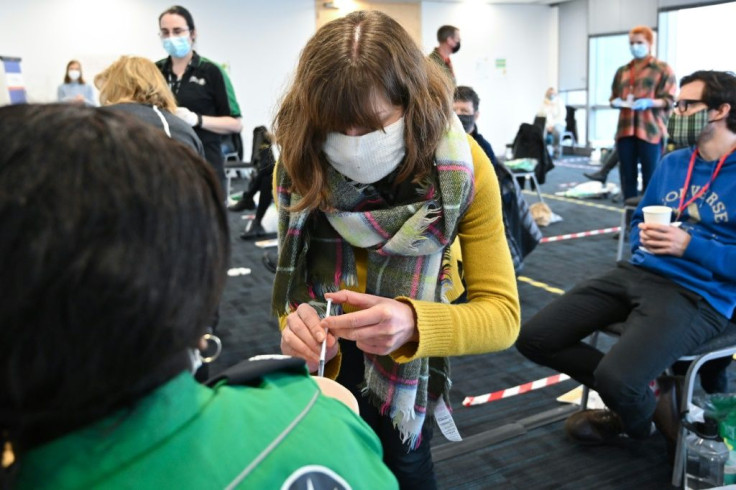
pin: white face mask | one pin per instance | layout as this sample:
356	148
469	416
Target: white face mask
369	158
75	74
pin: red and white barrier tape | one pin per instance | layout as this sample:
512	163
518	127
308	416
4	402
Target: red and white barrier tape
516	390
569	164
582	234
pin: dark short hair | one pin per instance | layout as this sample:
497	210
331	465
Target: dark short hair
113	255
179	10
720	88
466	94
445	32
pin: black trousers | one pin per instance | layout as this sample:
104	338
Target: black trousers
213	155
663	322
413	469
261	183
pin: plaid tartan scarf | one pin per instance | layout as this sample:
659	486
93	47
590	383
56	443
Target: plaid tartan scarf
407	247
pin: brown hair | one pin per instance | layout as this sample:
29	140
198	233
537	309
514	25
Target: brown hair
446	32
644	31
345	63
134	79
67	79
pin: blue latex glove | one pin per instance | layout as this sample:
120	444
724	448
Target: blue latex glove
642	104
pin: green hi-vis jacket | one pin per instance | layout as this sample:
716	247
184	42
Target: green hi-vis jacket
188	436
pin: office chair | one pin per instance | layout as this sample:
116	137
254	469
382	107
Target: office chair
232	152
529	143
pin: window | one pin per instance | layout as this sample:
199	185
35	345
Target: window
698	38
605	55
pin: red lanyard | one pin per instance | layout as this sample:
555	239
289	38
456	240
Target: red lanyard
702	190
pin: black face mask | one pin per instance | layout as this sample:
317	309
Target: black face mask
456	48
468	121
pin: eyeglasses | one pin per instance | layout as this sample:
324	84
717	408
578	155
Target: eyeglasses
176	31
683	105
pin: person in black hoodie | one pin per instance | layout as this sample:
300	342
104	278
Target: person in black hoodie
263	160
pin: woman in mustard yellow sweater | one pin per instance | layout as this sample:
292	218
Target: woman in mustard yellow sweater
377	179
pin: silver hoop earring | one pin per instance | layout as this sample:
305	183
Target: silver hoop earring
218	348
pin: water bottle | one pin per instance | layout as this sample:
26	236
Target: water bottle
729	471
706	457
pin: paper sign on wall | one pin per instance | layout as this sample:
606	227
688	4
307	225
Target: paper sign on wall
12	88
501	66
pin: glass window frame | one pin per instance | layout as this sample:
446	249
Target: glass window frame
602	119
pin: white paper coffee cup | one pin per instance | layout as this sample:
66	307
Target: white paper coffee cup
657	214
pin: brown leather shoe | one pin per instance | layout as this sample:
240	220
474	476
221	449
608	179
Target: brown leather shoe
594	427
667	413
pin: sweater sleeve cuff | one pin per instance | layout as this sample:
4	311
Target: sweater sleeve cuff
696	249
434	322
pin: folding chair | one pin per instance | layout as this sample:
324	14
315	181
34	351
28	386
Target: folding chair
232	152
722	345
529	143
530	176
566	135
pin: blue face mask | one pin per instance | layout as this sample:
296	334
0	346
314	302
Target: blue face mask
639	50
178	47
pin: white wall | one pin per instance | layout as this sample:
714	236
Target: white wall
573	25
260	40
607	17
524	35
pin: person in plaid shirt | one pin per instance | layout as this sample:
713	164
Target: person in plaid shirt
644	90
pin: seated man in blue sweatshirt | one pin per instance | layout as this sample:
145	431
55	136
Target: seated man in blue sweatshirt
677	291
